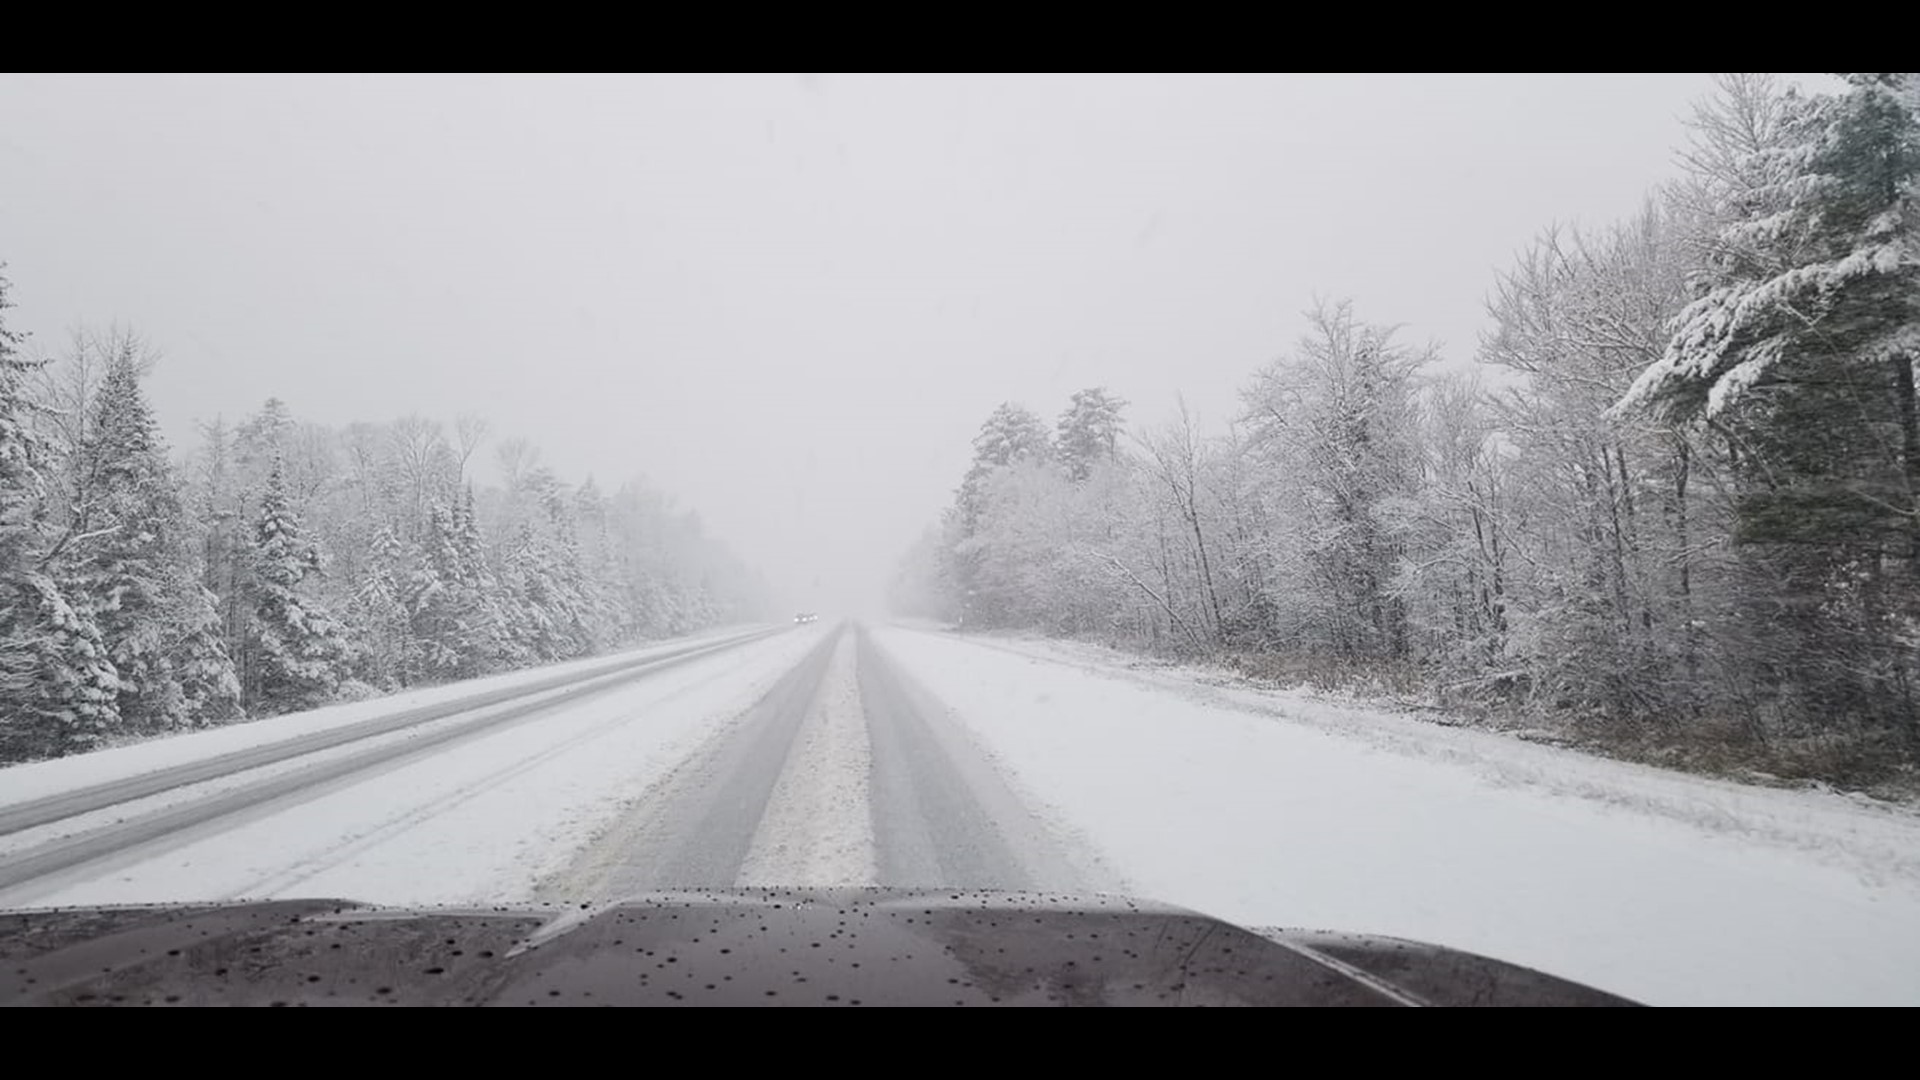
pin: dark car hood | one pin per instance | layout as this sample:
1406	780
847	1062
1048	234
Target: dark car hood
738	947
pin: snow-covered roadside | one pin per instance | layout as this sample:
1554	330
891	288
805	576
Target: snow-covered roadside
19	783
1270	808
476	824
1822	823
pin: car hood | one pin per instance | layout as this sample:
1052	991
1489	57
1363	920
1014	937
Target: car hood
736	947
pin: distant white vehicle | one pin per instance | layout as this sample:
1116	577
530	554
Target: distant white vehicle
806	617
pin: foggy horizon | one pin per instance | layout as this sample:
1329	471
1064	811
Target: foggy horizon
787	301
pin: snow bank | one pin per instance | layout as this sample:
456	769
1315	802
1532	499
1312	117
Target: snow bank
1277	809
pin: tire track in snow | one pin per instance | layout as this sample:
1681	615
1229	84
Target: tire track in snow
945	813
47	869
281	882
32	813
695	826
846	774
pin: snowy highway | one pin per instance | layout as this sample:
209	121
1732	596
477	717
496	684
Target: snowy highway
139	803
835	755
467	717
767	757
843	773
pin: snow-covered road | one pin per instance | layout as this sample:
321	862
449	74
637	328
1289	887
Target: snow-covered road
824	756
845	773
465	806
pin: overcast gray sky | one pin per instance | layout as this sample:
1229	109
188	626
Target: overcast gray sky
788	300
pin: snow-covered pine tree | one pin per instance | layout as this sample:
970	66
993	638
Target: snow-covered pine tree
299	651
22	453
486	621
57	688
216	507
560	615
1800	351
458	627
1816	261
209	682
1805	334
60	689
379	613
578	611
232	472
124	574
435	596
1011	434
1089	431
541	628
259	444
598	570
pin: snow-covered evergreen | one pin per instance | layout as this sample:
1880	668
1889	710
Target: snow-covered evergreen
1817	260
58	690
209	683
138	596
134	571
1800	352
296	651
61	689
378	611
1089	431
